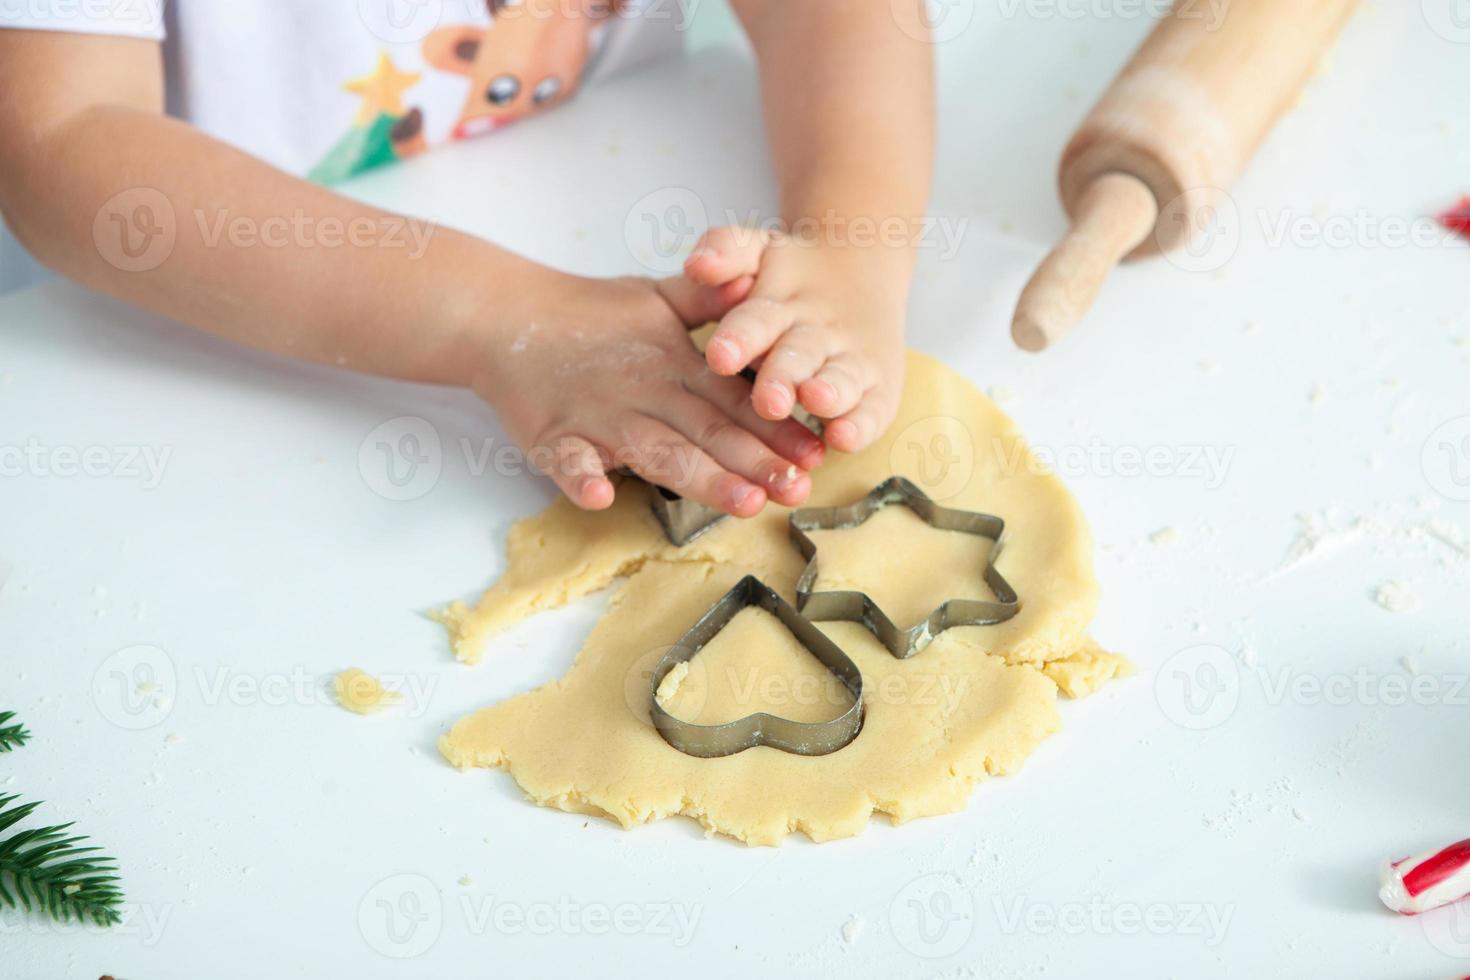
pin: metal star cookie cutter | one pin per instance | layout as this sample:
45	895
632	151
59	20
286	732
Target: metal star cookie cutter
859	607
800	738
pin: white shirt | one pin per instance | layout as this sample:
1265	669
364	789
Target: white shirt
326	89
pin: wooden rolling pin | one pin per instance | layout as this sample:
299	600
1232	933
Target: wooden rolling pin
1171	132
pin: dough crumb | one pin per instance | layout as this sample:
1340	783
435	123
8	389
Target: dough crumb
1397	597
361	692
1165	535
669	686
1410	664
1301	814
852	929
1000	394
1318	394
465	881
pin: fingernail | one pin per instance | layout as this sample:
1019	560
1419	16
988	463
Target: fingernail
784	479
782	394
808	446
725	347
741	495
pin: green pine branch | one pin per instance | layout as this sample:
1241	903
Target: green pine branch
11	736
44	869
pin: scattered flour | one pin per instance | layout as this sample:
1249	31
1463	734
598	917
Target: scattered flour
1165	535
1397	597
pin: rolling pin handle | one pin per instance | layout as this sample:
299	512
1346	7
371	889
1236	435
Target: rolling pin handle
1113	216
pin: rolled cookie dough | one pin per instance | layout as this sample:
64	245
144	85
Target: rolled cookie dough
975	703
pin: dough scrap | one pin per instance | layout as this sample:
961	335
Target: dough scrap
359	691
973	704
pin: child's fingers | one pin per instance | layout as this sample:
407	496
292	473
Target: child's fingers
725	254
856	430
697	304
795	358
746	332
664	456
790	439
738	450
834	390
578	470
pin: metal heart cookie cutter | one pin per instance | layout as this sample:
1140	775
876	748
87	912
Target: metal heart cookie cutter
859	607
800	738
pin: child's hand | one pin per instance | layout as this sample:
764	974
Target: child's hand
825	324
606	378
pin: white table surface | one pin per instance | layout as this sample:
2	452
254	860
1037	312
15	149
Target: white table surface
263	832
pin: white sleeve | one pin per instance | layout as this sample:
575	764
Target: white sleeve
125	18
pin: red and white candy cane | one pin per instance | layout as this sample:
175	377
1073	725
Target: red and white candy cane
1419	884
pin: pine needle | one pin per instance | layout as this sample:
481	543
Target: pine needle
43	869
11	736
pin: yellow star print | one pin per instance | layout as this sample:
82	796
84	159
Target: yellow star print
382	91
